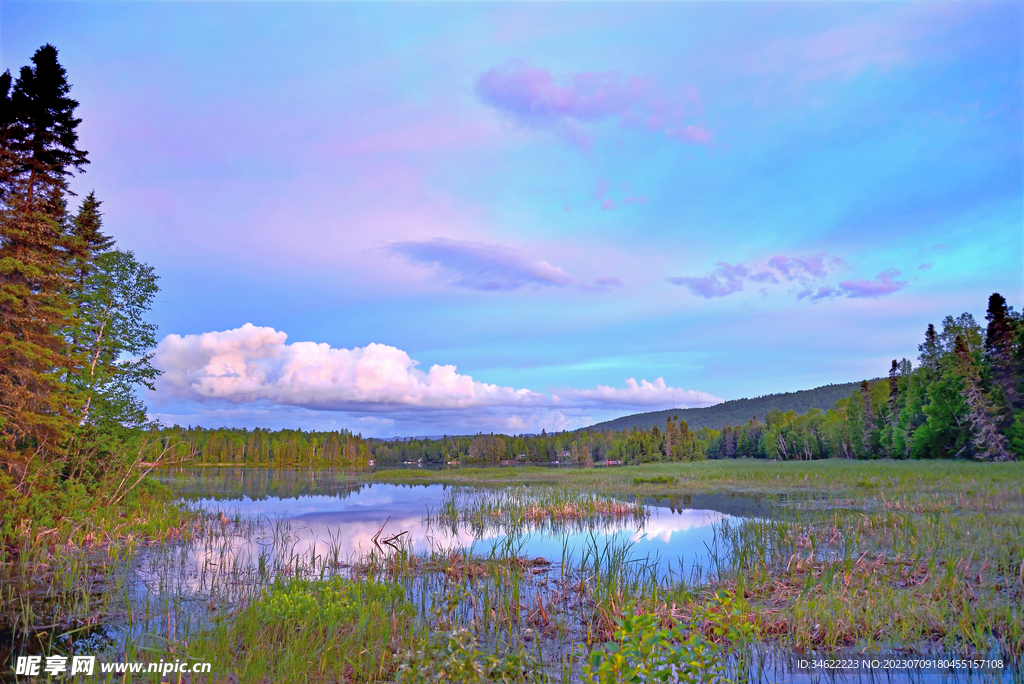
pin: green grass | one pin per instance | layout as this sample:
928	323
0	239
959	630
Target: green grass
67	574
657	479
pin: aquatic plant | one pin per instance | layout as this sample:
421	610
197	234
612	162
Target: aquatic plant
455	656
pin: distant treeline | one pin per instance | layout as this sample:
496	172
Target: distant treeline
266	447
963	400
582	447
342	448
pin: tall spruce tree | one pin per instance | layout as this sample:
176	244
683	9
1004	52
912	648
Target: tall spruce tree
930	351
38	132
1000	340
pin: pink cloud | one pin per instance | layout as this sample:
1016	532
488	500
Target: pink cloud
532	97
824	292
643	393
531	93
727	279
608	282
251	363
884	284
721	282
480	265
803	268
764	277
807	271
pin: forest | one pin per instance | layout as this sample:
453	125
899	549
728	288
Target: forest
265	447
962	400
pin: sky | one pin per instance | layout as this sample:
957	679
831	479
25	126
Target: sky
446	218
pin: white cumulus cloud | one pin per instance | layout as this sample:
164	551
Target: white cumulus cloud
255	369
253	363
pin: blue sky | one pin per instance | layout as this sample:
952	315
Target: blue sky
457	217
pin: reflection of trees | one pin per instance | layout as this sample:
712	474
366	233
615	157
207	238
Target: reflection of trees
258	483
740	504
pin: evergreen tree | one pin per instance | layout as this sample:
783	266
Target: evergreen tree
1000	338
87	239
40	152
42	132
930	351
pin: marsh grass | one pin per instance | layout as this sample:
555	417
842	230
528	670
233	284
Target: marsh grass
852	556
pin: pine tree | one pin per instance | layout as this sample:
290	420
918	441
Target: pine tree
87	239
930	349
893	407
39	137
1000	338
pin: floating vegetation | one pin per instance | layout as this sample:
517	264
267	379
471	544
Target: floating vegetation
516	508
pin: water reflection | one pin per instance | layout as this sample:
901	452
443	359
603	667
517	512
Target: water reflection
324	513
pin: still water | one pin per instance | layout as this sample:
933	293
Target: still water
326	514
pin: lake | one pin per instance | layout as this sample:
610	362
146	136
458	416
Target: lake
326	514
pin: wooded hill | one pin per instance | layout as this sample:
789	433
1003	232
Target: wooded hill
737	411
